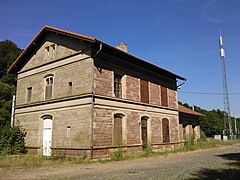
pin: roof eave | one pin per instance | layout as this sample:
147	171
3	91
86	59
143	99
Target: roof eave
139	59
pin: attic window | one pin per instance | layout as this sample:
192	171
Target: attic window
47	53
69	88
50	51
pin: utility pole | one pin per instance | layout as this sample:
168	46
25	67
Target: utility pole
227	116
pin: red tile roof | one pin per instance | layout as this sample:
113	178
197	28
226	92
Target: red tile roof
185	110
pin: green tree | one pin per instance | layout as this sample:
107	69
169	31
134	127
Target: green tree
11	139
8	53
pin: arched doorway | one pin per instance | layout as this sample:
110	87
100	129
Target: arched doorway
47	135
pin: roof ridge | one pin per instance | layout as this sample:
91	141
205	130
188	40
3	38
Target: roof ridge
68	32
184	109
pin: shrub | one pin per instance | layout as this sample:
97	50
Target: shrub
148	149
117	154
190	141
203	136
11	140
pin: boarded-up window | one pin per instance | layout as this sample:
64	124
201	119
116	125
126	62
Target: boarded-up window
117	86
144	91
164	96
29	95
165	130
117	130
49	87
144	130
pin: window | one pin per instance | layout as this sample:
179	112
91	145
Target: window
144	91
117	86
68	131
117	129
144	130
69	88
29	95
48	87
164	96
165	130
47	52
50	51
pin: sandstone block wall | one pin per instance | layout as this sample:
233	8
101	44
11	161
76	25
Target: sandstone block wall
64	46
104	85
78	73
77	118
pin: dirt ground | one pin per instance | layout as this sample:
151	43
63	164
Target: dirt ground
221	163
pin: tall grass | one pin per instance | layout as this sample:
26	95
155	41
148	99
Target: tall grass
26	161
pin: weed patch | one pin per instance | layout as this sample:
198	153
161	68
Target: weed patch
117	154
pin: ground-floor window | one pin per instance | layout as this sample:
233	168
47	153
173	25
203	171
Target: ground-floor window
165	130
144	130
118	132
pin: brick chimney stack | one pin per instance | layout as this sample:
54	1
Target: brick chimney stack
122	46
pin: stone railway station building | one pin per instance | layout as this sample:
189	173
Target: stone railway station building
78	96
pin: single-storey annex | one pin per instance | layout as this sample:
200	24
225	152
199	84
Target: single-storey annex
77	95
190	121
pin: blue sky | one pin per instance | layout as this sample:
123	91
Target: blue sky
179	35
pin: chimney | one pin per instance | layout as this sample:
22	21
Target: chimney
122	46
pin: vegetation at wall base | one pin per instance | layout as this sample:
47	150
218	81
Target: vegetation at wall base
11	140
117	154
26	161
148	149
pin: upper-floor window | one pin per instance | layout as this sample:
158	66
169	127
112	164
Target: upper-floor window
117	85
144	88
50	51
164	96
29	95
49	87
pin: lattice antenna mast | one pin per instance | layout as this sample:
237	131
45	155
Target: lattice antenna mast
227	116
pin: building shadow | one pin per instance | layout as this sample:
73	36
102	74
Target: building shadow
230	170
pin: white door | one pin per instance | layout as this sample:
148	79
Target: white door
47	137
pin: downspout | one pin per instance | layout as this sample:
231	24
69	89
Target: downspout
180	85
13	110
93	99
178	88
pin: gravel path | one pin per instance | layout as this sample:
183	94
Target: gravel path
221	163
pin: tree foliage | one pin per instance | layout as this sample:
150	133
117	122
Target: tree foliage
11	139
